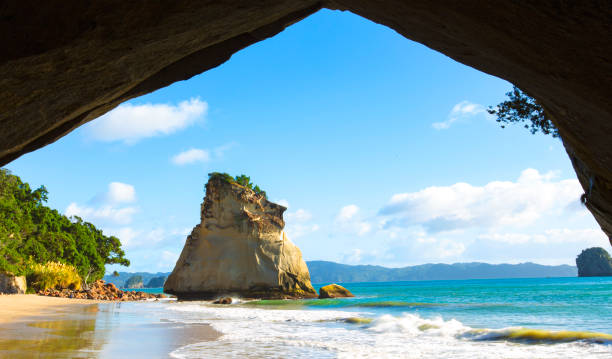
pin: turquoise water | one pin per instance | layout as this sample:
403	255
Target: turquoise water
544	303
146	290
508	318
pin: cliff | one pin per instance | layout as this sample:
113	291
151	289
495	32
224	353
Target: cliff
239	248
594	262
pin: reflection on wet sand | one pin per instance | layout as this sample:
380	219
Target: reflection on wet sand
98	331
54	338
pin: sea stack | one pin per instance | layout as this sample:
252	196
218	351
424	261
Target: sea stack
594	262
239	248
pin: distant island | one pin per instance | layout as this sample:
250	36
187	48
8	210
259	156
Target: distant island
328	272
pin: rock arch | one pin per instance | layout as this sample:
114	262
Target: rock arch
65	63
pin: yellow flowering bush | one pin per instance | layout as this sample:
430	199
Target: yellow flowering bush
53	275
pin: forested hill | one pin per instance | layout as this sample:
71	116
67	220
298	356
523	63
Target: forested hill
32	233
327	272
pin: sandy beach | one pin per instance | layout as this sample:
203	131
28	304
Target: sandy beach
16	307
47	327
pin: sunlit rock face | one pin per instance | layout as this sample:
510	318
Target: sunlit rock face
63	66
239	248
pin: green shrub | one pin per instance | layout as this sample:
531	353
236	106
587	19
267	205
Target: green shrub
53	275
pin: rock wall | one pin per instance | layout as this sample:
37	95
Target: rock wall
64	64
239	248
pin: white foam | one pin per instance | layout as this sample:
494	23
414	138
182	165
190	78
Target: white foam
272	333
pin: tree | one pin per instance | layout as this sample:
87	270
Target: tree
31	232
522	108
244	180
115	274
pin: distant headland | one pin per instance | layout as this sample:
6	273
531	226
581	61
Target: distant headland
329	272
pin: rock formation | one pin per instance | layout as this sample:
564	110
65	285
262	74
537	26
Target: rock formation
594	262
12	284
100	290
63	66
239	248
334	291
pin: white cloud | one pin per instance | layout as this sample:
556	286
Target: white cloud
301	215
107	213
283	202
347	212
347	221
131	123
120	193
191	156
298	223
195	155
168	259
461	111
221	150
107	207
584	237
126	235
498	203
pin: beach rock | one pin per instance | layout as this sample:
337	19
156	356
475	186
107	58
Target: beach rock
594	262
224	300
239	248
12	284
334	291
99	290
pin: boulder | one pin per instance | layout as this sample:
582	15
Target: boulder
239	248
594	262
12	284
334	291
224	300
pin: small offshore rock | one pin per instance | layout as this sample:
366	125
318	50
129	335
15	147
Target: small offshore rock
594	262
334	291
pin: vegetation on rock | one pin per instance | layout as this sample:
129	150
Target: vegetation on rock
594	262
522	108
242	180
32	233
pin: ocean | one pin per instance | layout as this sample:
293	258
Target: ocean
497	318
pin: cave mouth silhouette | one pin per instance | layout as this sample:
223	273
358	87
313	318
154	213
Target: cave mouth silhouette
65	65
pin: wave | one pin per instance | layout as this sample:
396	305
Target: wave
539	336
415	325
255	332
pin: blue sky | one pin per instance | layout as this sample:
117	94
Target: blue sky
379	146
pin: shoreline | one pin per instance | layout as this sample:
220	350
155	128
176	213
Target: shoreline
47	327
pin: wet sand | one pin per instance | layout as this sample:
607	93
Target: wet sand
33	326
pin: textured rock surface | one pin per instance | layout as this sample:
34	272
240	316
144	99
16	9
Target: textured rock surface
100	290
594	262
65	64
239	248
11	284
334	291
